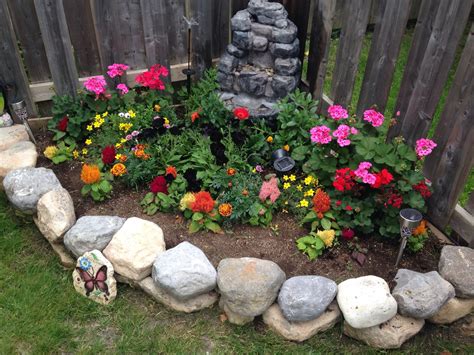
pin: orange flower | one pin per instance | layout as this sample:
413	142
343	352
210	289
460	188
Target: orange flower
123	158
421	229
118	170
231	171
140	154
225	210
171	170
245	192
286	147
321	203
203	202
90	174
194	116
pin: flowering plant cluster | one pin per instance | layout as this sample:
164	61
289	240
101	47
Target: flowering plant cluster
201	209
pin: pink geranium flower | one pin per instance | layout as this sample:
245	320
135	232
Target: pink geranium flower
342	133
424	147
320	134
122	88
116	70
373	117
96	84
269	190
337	112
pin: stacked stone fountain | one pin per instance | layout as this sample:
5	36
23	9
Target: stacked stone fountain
261	65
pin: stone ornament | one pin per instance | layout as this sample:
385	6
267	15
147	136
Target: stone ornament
93	277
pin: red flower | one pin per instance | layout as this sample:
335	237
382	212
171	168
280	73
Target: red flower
321	203
382	178
348	208
152	78
108	154
347	234
394	199
423	189
159	185
203	202
194	116
338	203
344	180
62	124
171	170
241	113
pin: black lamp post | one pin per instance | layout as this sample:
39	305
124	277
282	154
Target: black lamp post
189	72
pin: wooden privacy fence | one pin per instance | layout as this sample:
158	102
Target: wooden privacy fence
54	43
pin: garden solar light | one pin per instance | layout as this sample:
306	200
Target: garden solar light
188	71
409	220
282	162
19	109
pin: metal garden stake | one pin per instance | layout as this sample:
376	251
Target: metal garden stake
19	109
409	220
189	71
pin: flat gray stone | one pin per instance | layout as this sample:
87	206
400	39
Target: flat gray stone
283	85
236	52
242	40
304	298
421	295
456	265
226	81
287	66
184	271
281	23
260	44
92	232
25	186
248	286
285	50
253	82
227	63
285	35
259	29
241	21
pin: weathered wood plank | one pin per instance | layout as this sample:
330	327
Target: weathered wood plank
220	26
298	12
155	31
119	32
470	203
450	163
390	26
177	31
319	45
57	42
201	11
462	222
418	109
238	5
355	17
11	70
83	38
27	31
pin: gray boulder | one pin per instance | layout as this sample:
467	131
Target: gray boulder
241	21
236	52
253	82
421	295
260	44
456	265
259	29
92	232
304	298
242	40
285	35
25	186
226	81
282	85
227	63
184	271
248	286
288	66
285	50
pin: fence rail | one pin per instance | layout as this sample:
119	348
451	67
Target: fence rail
51	45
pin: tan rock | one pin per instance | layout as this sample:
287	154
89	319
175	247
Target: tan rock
454	309
66	260
233	317
93	277
134	248
19	155
55	214
192	305
389	335
301	331
11	135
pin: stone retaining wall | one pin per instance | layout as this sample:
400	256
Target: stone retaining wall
110	249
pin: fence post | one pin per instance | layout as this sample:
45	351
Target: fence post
423	84
201	11
11	69
391	22
449	165
319	46
57	42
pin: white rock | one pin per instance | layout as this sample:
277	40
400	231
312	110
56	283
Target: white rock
93	277
389	335
134	248
454	309
188	306
366	301
301	331
55	214
20	155
11	135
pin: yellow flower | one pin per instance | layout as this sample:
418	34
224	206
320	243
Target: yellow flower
186	201
254	170
118	156
167	121
309	193
75	154
269	139
286	185
157	108
285	177
118	145
304	203
105	114
89	128
84	151
125	126
131	113
327	236
299	188
286	147
50	152
97	117
308	180
123	140
286	202
292	177
88	141
96	124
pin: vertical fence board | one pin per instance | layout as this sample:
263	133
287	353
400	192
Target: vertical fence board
25	23
220	26
355	17
390	26
298	12
11	69
470	203
201	10
83	39
238	5
119	31
449	165
418	110
319	45
155	32
177	31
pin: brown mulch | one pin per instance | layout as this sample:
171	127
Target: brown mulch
276	244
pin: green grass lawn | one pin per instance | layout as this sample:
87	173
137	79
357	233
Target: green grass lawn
41	313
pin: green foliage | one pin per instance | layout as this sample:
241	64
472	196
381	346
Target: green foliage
2	103
416	242
64	153
311	245
153	203
204	221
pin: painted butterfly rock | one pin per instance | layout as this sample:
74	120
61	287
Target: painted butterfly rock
93	277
